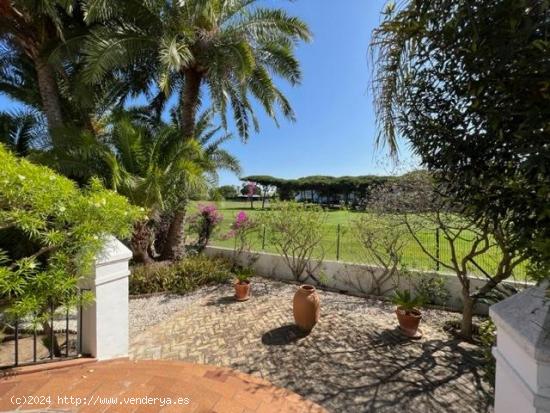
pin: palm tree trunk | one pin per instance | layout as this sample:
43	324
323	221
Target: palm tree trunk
141	238
173	247
47	86
190	102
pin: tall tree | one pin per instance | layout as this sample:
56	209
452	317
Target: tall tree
21	131
31	28
214	157
230	47
466	81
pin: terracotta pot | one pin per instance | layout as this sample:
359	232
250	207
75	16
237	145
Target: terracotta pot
242	290
306	306
409	321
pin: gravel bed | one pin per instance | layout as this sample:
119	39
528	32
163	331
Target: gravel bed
147	311
150	310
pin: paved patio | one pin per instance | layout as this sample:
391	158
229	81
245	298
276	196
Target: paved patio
147	386
353	361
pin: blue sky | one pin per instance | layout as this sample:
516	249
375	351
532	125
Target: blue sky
335	129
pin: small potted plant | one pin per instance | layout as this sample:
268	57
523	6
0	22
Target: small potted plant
408	312
242	284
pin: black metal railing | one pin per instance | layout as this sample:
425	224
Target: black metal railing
29	346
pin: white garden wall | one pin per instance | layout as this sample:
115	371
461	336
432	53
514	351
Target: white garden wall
523	352
352	278
104	326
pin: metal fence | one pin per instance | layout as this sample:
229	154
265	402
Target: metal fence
24	343
341	244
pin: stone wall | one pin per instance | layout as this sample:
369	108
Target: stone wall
357	279
522	352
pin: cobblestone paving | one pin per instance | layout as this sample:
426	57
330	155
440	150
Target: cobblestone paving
354	360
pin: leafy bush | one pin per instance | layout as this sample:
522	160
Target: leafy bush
432	289
179	277
487	339
50	233
228	191
204	223
405	300
296	231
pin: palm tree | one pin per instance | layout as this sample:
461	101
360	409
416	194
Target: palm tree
230	46
31	28
40	44
145	160
22	131
144	164
210	138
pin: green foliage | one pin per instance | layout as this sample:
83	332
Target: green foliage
62	227
432	289
136	156
488	338
243	274
21	131
404	299
329	186
466	82
233	48
296	231
179	277
228	191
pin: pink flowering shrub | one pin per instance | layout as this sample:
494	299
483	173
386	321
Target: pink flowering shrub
251	188
241	229
204	223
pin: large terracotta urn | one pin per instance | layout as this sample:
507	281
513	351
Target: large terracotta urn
306	307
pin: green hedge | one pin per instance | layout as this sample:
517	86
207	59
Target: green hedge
179	277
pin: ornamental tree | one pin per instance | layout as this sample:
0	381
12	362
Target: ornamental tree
415	205
50	234
204	223
466	81
242	229
296	231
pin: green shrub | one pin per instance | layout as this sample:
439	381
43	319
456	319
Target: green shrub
405	300
179	277
50	233
433	290
296	232
487	339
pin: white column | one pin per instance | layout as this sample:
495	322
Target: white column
104	327
523	352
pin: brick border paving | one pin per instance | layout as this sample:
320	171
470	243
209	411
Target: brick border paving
109	386
353	361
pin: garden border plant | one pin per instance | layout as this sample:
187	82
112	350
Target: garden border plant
295	229
382	244
50	234
418	205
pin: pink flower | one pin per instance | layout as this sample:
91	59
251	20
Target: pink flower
251	187
210	213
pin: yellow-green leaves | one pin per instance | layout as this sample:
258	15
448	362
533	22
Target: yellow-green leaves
50	231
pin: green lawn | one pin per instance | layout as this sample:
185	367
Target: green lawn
349	248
